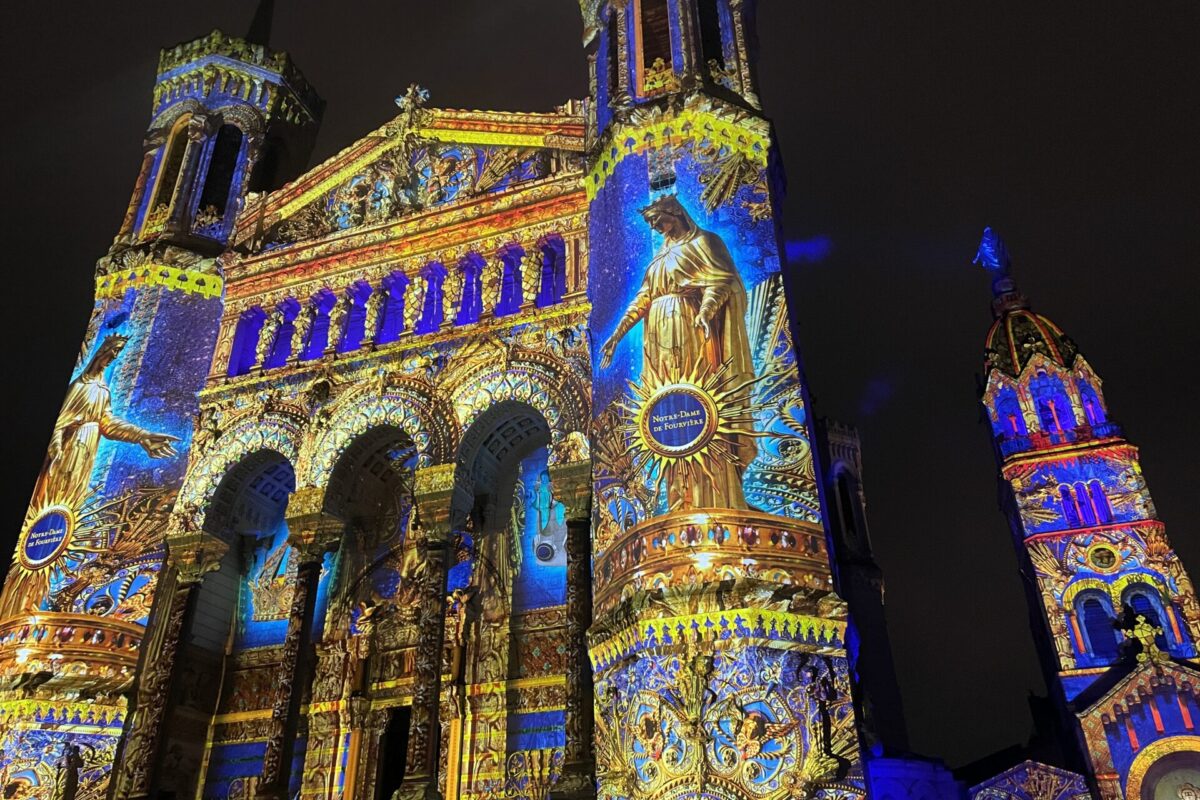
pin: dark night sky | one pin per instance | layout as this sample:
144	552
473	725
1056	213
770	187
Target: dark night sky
1070	127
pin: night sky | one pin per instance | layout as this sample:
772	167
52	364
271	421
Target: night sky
1071	128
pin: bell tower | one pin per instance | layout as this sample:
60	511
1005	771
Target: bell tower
83	601
718	645
1114	613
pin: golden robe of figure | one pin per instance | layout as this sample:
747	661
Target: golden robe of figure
85	418
693	304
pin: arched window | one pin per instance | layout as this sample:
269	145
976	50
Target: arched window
218	178
1099	502
392	312
1053	407
1093	411
471	305
1070	507
170	164
847	495
510	282
1146	602
712	47
654	30
1096	618
433	310
553	283
245	341
1009	420
1083	502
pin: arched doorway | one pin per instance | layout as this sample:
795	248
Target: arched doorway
507	622
370	488
239	610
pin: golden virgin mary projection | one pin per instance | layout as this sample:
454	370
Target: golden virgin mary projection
62	487
693	306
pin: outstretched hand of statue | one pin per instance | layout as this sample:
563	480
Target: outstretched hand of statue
606	352
158	445
705	326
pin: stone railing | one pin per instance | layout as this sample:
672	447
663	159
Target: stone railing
78	652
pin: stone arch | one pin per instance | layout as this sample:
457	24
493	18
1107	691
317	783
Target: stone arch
276	432
539	380
167	118
1151	755
496	439
248	118
408	405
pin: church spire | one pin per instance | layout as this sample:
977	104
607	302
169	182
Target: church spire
1111	598
260	26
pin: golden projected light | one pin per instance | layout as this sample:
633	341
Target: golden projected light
67	552
684	428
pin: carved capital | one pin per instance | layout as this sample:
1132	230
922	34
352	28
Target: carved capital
201	125
571	485
433	492
312	530
194	553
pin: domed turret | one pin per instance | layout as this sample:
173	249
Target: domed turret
1040	391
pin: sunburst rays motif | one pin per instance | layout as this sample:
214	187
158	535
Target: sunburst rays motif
679	426
62	554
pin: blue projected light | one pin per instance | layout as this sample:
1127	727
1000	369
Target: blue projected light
46	538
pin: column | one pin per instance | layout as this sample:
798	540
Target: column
198	130
327	715
367	726
151	147
191	554
312	532
622	97
737	11
571	485
434	490
531	274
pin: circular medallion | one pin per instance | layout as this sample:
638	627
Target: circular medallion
678	420
46	537
1102	558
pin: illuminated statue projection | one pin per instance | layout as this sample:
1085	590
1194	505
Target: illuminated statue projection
693	308
58	511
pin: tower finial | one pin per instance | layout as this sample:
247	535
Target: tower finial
260	26
992	255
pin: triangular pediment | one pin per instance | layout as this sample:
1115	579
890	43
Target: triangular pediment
419	161
1143	674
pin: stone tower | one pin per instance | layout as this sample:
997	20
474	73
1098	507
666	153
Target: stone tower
718	645
229	115
1115	615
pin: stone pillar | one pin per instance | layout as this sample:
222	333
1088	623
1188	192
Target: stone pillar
327	715
571	485
191	554
199	127
312	532
434	491
151	147
367	726
738	11
531	274
622	97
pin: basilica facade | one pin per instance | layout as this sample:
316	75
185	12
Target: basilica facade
476	462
